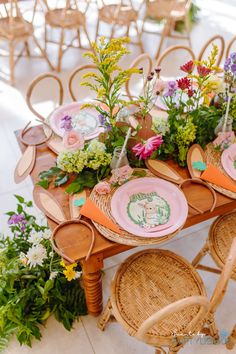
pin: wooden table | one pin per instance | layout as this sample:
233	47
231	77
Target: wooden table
103	248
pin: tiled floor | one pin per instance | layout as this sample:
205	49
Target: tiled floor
216	17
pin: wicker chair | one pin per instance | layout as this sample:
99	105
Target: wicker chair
75	78
177	52
229	48
67	18
14	29
170	11
32	86
219	40
220	238
158	296
144	61
119	15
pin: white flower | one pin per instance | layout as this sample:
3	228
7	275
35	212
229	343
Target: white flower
35	238
51	254
78	275
53	275
36	255
47	234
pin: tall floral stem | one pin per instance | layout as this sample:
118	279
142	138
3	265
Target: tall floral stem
226	113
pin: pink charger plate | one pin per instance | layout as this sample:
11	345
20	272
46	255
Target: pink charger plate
168	191
227	160
72	109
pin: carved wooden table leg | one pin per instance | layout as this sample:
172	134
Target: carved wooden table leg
92	283
232	339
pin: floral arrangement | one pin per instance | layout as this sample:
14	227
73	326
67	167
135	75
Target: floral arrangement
191	119
34	282
82	167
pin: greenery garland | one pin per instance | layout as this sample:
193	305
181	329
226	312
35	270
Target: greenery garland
34	283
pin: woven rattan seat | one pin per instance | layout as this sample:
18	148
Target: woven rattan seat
147	282
122	15
159	298
15	28
65	18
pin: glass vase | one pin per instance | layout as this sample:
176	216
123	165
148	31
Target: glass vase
118	160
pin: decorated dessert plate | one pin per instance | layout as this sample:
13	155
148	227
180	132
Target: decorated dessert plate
149	207
228	160
84	121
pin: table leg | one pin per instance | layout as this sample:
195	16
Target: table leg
92	282
231	340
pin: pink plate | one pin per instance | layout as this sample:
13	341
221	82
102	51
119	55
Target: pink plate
149	207
227	159
87	120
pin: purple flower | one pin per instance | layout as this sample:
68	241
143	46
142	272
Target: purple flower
233	68
233	56
102	120
16	219
227	64
172	85
66	123
22	229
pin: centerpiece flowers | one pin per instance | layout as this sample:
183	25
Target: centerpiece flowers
34	282
191	118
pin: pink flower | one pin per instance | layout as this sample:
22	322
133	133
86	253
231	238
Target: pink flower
121	175
160	85
102	188
145	150
73	140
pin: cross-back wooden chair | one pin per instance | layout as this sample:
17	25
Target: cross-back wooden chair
143	61
170	11
120	14
220	238
76	78
172	53
205	51
229	48
14	29
35	83
68	18
159	298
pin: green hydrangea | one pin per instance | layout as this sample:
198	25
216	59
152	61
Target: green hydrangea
93	156
160	125
185	135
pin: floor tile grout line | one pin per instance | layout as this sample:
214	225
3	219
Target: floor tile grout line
86	332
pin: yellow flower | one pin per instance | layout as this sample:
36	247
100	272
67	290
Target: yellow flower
69	273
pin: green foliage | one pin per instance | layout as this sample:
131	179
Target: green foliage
30	294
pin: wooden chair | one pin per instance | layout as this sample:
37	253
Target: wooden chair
119	14
144	61
170	11
74	79
158	297
32	86
229	48
220	238
14	29
205	51
69	18
172	54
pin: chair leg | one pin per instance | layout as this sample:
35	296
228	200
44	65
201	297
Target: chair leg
200	255
60	51
11	62
139	35
97	30
159	350
105	316
45	37
188	29
164	34
26	44
44	55
213	330
79	39
87	35
232	339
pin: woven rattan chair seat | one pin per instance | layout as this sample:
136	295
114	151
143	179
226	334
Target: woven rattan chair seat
120	15
221	236
15	29
68	19
148	281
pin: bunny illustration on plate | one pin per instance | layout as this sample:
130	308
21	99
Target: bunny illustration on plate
71	235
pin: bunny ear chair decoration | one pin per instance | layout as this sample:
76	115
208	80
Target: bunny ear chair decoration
27	160
195	159
70	235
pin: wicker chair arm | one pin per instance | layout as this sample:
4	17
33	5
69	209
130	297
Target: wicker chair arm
72	76
171	309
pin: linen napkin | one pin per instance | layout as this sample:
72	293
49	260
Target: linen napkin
91	211
213	175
